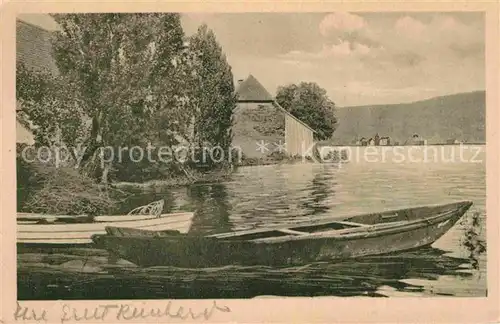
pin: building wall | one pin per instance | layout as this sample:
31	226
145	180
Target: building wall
298	138
256	122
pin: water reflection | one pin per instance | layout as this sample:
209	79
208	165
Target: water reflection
351	278
322	191
264	196
212	208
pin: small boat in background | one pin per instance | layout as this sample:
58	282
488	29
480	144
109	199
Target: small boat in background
62	230
318	240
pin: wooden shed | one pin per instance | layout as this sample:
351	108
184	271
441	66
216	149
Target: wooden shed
252	96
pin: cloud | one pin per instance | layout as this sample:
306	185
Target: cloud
417	40
363	49
344	49
408	42
340	27
341	22
409	26
360	58
341	49
462	40
442	31
447	23
433	55
468	50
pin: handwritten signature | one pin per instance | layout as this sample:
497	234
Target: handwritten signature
124	312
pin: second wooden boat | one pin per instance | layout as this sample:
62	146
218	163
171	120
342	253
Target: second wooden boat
318	240
40	229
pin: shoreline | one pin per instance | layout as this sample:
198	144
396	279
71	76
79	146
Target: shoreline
209	177
440	144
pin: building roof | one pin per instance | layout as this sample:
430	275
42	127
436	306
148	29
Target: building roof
250	90
40	20
33	47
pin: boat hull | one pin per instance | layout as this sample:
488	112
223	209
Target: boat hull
190	251
81	233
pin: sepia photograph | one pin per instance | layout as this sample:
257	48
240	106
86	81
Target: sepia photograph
237	155
208	157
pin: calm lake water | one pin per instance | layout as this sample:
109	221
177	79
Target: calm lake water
267	195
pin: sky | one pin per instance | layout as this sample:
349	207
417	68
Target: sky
358	58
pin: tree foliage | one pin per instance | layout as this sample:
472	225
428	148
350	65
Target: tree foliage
125	73
310	103
128	79
42	99
213	91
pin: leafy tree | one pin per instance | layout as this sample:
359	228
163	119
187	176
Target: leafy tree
120	82
214	96
43	108
310	103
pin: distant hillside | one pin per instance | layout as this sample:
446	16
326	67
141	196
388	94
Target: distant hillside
460	116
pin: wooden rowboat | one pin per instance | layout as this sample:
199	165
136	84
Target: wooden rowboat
318	240
40	229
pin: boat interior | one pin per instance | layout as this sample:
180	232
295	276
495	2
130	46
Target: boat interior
407	214
321	225
26	218
294	231
153	209
350	223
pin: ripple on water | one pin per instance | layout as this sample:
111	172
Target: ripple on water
272	195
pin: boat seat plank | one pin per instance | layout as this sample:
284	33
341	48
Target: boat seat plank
47	217
289	231
351	223
389	216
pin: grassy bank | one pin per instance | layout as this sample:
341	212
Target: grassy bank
195	177
65	190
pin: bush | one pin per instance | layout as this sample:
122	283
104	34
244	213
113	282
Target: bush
44	188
